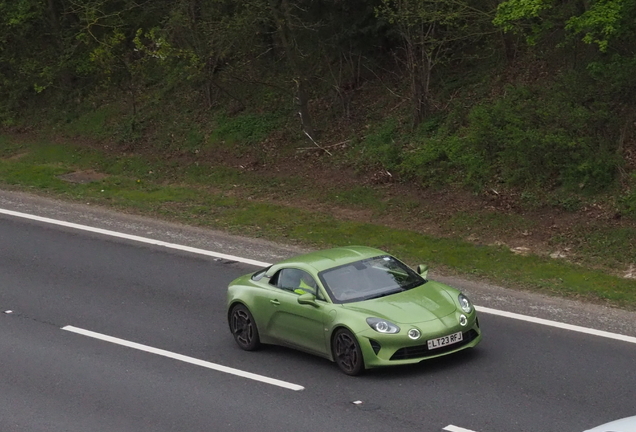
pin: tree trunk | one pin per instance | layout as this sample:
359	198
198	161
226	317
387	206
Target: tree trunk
302	103
54	18
420	68
282	16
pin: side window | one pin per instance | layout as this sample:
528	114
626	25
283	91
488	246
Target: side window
295	280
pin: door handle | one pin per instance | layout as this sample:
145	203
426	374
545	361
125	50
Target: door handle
275	302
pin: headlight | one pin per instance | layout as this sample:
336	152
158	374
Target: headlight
464	303
463	320
382	326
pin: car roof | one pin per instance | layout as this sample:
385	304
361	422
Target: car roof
329	258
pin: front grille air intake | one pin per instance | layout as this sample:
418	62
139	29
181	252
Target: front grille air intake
412	352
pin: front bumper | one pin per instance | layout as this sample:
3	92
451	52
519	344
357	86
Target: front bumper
397	349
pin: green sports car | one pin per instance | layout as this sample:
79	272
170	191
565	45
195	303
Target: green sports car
357	306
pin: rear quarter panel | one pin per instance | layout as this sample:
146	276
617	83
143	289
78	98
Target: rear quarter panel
253	295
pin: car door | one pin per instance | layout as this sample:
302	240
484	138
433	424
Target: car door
294	324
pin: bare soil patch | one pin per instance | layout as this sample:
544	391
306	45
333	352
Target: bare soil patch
83	177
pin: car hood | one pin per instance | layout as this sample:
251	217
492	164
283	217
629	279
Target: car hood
425	303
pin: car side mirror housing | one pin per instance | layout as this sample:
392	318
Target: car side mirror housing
422	269
307	299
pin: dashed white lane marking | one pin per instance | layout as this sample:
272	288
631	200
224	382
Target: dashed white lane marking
557	324
134	238
486	310
186	359
451	428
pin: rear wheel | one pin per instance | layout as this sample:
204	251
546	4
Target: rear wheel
346	352
244	329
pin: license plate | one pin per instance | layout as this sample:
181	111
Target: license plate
445	340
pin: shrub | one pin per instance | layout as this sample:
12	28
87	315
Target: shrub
525	138
381	146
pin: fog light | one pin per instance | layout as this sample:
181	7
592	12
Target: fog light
463	320
414	334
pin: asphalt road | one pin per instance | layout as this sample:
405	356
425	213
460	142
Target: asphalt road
523	377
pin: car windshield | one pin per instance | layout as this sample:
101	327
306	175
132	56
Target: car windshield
368	279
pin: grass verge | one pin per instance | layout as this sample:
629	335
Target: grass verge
224	198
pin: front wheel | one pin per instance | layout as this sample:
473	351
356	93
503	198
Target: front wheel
244	329
346	352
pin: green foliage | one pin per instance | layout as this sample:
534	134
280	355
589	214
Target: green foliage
95	123
615	77
8	148
522	139
170	65
24	54
513	14
431	32
627	204
604	21
564	200
244	129
627	201
380	146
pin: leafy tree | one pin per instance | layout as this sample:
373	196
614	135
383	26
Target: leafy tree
608	25
431	32
28	55
597	21
212	37
606	21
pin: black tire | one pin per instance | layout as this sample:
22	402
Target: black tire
347	353
243	328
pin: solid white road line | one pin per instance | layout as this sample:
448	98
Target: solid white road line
486	310
557	324
134	238
185	359
451	428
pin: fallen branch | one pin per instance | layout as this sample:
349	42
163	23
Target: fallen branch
325	147
317	145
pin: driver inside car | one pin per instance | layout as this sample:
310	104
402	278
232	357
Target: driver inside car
306	285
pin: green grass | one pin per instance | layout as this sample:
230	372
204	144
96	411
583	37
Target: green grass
358	196
485	222
33	176
94	123
7	147
243	130
220	176
609	246
232	200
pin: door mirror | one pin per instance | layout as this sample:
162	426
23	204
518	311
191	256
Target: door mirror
307	299
422	269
